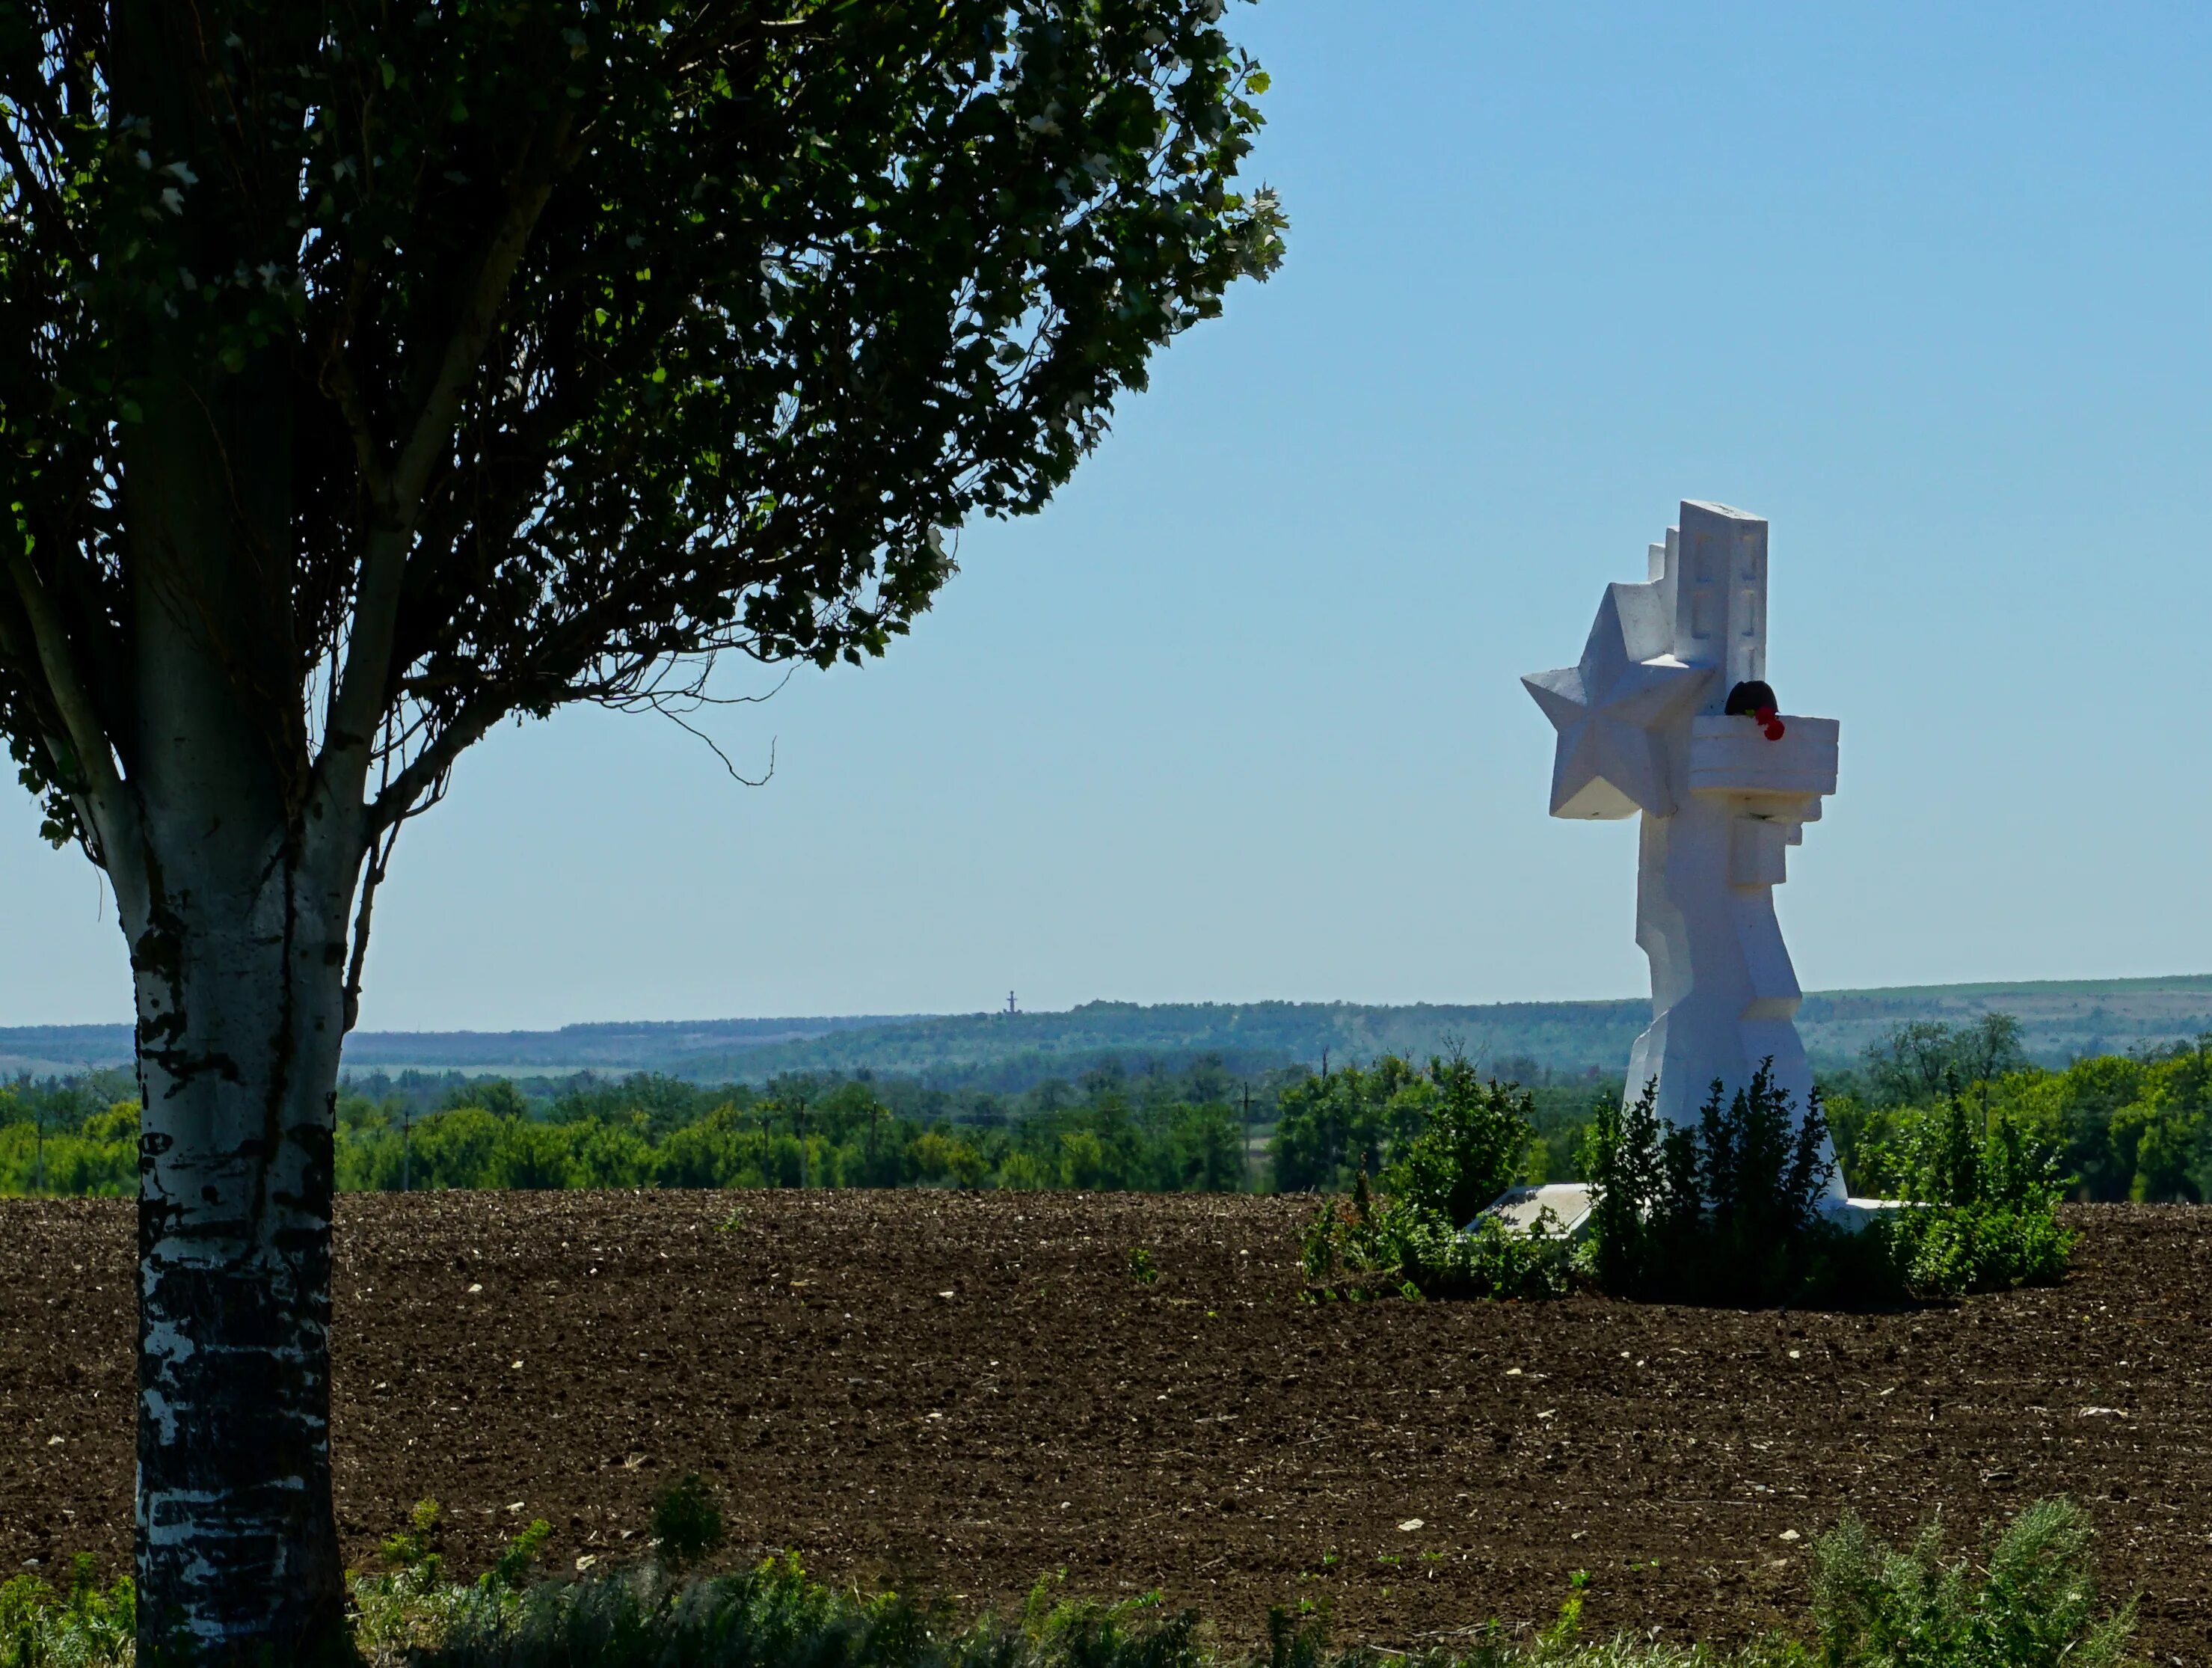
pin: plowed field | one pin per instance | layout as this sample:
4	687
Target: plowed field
956	1393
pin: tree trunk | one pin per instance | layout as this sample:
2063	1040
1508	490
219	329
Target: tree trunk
237	956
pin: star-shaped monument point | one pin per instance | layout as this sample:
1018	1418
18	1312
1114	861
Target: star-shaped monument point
1605	711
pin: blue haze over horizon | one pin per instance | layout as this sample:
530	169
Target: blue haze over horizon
1238	717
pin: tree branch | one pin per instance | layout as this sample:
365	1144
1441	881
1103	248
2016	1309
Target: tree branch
36	188
380	858
398	800
364	687
81	725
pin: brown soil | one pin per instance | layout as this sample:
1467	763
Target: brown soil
956	1393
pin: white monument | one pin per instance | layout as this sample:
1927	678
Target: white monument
1669	715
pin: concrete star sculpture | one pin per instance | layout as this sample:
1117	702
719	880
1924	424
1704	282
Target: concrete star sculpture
1643	726
1609	711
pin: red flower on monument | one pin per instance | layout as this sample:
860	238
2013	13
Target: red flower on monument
1754	698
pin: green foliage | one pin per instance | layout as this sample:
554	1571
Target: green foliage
2032	1604
1988	1190
1365	1248
1448	1138
1727	1211
775	1615
2136	1126
1142	1269
1988	1218
2029	1600
72	1138
1336	1125
414	1549
1948	1252
658	1132
512	1565
712	322
1469	1148
1454	1142
412	1607
687	1523
86	1624
1923	1061
1155	1133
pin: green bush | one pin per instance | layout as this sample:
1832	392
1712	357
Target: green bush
1987	1206
1949	1252
2032	1603
1426	1237
1729	1211
1363	1248
1472	1142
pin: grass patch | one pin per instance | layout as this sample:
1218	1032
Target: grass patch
2026	1598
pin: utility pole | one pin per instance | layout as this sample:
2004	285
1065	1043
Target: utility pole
406	1149
1011	1008
1248	1178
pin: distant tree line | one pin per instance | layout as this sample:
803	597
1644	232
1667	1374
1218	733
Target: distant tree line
2136	1126
1147	1134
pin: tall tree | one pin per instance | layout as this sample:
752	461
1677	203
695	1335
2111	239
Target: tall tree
370	374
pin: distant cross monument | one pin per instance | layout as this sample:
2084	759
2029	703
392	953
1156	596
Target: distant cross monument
1669	713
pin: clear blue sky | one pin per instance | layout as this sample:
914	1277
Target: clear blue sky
1239	716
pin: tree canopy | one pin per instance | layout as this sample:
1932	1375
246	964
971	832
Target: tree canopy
594	337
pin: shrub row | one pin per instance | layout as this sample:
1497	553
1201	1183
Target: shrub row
1729	1210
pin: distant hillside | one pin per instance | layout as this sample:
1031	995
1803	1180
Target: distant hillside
1249	1035
618	1047
596	1047
2060	1020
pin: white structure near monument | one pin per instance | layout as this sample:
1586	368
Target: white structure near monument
1669	716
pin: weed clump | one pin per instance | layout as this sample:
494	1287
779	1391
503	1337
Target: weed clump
411	1607
687	1523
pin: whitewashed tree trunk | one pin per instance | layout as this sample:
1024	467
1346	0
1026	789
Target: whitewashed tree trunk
235	863
237	958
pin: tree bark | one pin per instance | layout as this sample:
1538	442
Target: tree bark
238	962
234	867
